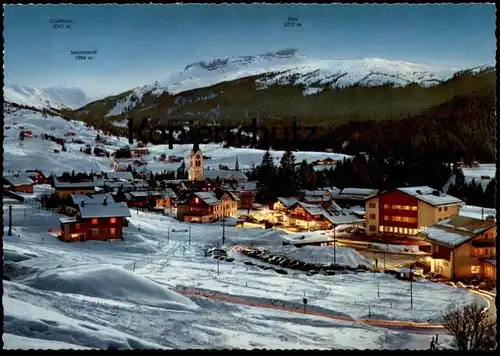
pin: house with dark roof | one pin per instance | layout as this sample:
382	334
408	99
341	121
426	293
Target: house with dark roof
97	218
407	211
157	200
18	182
462	246
64	189
206	206
245	191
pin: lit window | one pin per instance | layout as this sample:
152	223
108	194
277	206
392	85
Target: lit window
381	228
386	206
391	229
386	218
95	231
394	207
112	231
196	200
414	208
405	231
77	226
407	207
475	269
94	221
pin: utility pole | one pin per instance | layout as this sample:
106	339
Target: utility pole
168	234
217	266
411	286
10	220
223	230
334	245
385	252
190	235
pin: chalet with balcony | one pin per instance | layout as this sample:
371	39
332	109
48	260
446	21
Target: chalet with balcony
18	182
158	200
308	217
206	206
245	191
407	211
462	246
95	219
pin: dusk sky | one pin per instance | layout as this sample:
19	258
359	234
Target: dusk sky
138	44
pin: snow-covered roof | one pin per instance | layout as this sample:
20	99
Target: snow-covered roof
19	179
315	199
224	174
358	191
312	209
343	217
104	211
288	202
145	193
65	220
209	197
430	196
120	176
456	230
240	186
91	199
59	184
316	193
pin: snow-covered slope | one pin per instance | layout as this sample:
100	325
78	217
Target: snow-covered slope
36	153
289	67
53	97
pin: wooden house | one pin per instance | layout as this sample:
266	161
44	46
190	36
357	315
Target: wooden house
95	220
18	182
206	206
63	189
462	246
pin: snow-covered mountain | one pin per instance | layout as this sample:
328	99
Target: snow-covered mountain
289	67
53	97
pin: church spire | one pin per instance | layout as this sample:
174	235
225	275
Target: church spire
236	166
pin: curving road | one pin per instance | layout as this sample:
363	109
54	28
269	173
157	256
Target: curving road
416	327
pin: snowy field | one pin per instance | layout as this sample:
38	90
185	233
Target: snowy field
247	157
35	153
121	294
482	174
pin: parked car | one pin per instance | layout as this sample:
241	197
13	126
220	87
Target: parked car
312	273
329	272
285	262
280	271
229	259
248	263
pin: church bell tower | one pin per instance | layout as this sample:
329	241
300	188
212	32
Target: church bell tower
196	162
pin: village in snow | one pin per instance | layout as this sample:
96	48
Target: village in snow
109	245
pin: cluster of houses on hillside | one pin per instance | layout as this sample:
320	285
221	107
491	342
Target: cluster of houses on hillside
97	207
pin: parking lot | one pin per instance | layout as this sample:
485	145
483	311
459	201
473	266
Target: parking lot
281	264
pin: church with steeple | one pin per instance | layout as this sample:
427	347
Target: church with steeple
196	163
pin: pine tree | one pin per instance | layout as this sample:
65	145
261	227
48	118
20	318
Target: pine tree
489	200
265	176
287	175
